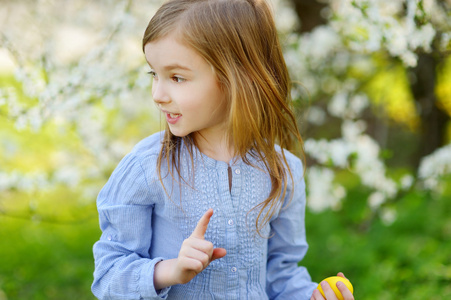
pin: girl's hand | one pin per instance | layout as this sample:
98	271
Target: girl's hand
330	295
196	253
194	256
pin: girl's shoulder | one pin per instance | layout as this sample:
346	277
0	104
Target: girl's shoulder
294	162
134	175
141	160
149	146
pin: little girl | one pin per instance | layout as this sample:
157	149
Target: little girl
211	208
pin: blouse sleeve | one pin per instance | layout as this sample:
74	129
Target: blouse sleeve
287	246
123	267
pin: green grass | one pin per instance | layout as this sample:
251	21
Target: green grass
46	261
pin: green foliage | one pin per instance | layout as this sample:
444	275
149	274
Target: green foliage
408	259
46	260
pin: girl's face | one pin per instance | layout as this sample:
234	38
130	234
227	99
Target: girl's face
186	89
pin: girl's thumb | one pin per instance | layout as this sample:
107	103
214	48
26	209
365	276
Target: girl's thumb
218	253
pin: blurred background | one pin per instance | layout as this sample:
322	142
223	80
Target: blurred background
372	92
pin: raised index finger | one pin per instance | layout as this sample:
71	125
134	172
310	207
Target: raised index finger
202	225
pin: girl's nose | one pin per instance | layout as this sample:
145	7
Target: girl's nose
159	93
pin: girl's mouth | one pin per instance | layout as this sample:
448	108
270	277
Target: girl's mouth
172	118
174	115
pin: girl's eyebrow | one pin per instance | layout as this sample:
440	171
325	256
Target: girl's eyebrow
176	67
173	66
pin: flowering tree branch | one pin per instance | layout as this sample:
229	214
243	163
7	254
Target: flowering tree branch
94	104
336	62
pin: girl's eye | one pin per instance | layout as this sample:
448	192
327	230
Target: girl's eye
178	79
153	74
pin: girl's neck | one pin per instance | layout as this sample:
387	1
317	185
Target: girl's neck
216	147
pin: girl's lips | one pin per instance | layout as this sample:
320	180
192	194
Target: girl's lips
172	118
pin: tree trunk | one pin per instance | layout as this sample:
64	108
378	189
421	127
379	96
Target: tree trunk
309	14
433	119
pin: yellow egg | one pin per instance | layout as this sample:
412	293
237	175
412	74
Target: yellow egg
333	284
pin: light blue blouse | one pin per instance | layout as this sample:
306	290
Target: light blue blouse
143	224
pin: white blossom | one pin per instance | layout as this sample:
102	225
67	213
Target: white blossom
337	105
357	104
372	25
388	216
316	115
366	164
352	130
435	165
445	41
68	175
376	199
318	44
323	193
407	181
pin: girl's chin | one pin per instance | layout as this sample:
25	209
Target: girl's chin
178	133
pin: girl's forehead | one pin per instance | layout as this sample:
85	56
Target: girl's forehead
172	40
168	44
170	53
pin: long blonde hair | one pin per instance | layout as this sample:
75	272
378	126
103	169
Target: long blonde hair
239	39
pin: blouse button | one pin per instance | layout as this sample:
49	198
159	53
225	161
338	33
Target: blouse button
237	171
230	222
233	269
109	238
